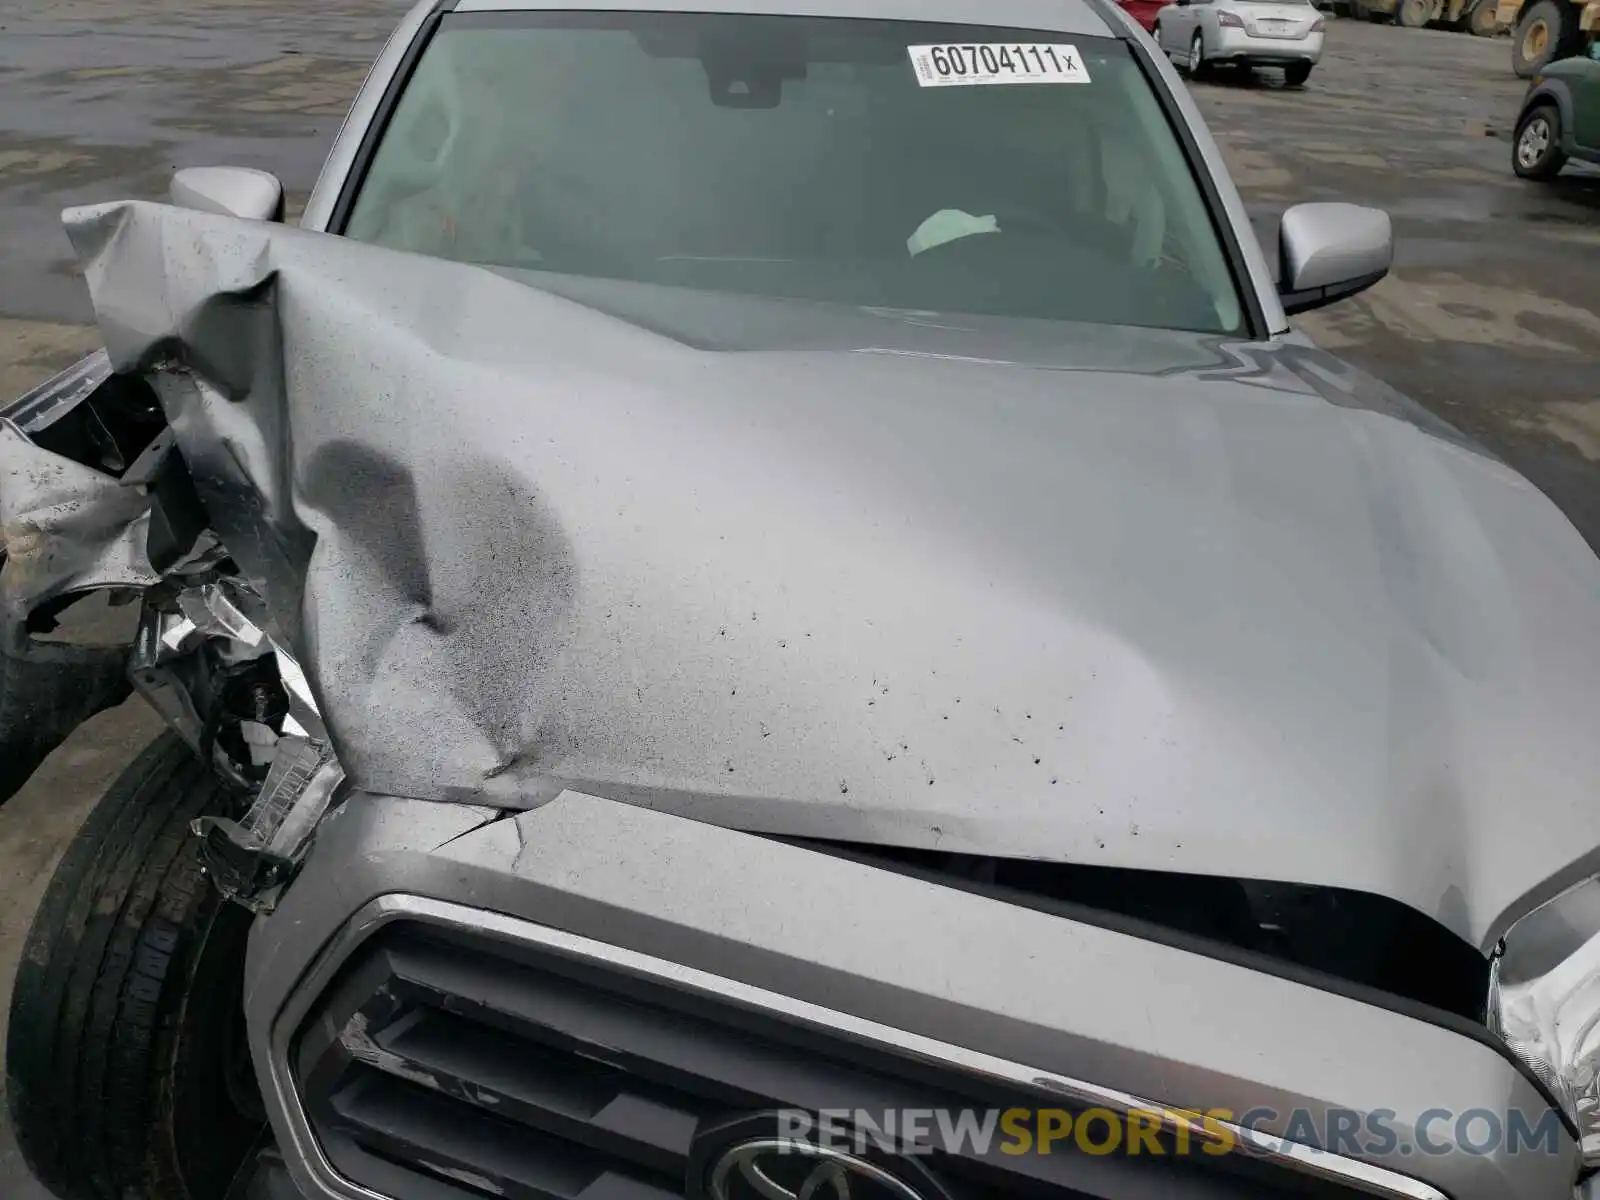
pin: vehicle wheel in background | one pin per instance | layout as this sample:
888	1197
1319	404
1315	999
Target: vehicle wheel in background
1359	11
1536	149
1542	35
1412	14
126	1067
1295	74
1197	55
1482	21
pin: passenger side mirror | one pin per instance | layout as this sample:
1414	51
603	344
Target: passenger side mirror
1329	252
230	191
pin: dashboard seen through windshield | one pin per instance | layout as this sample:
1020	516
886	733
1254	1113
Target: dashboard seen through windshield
861	162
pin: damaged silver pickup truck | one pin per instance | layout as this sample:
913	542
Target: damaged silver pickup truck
733	571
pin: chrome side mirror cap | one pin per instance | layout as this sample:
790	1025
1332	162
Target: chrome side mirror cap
1329	252
230	191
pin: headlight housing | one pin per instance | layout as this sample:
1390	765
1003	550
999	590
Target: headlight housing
1544	1002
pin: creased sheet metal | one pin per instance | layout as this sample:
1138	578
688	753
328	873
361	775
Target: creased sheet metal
878	590
65	527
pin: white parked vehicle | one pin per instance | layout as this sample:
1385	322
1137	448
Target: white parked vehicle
1197	34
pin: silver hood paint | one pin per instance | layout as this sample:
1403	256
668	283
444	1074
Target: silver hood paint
1184	606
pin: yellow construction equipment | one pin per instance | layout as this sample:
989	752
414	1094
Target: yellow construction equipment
1477	15
1545	30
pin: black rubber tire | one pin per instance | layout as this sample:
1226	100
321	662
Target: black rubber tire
1560	38
123	1060
47	695
1550	162
1295	74
1198	68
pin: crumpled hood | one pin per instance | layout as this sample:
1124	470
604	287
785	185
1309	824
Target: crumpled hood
1201	618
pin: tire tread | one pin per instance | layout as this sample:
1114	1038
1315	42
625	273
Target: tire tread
98	990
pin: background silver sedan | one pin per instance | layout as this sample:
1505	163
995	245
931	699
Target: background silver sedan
1249	33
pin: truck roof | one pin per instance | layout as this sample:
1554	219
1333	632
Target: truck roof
1060	16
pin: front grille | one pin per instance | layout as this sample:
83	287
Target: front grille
440	1066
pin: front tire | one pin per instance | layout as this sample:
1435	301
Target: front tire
1295	74
1536	149
125	1062
1545	32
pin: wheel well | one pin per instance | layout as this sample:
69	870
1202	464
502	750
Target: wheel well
1551	93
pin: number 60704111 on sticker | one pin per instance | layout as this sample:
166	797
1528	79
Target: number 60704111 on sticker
977	64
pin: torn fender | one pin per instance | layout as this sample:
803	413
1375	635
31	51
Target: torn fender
65	528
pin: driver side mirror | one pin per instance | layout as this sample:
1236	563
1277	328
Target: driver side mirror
1329	252
230	191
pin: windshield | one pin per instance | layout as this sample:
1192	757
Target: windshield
869	163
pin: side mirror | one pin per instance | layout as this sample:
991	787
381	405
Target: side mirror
1329	252
230	191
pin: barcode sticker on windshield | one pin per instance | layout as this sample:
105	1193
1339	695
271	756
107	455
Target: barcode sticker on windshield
994	62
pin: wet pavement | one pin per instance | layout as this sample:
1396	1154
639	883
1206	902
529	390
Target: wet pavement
1492	316
104	98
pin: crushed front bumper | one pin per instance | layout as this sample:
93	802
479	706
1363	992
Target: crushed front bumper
411	995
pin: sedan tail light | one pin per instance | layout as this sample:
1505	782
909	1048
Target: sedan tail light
1316	26
1230	20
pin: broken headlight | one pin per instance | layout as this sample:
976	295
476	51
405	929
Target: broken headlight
1544	1001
